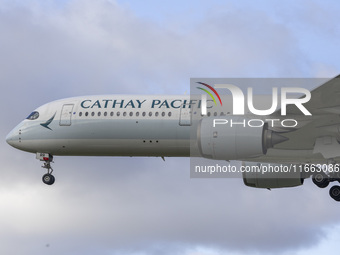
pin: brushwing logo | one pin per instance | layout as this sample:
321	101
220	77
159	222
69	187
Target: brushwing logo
47	123
212	89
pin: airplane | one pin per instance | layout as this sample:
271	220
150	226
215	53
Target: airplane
161	125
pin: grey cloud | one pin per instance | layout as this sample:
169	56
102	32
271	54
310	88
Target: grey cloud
140	205
100	47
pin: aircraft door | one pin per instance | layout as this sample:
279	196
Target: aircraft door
66	115
185	116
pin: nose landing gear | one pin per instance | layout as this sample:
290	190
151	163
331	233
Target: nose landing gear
48	159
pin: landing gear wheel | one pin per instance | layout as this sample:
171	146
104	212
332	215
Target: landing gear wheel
48	179
47	159
334	192
321	180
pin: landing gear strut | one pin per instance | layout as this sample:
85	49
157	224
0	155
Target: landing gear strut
48	159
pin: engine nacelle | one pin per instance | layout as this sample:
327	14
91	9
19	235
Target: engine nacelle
230	138
268	175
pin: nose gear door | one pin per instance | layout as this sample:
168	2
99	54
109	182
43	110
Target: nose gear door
66	115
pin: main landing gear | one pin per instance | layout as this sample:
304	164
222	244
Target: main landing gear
334	192
48	159
322	180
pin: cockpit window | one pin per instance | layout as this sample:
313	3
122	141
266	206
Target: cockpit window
33	116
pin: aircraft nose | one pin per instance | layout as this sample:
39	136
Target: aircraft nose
17	138
13	138
10	138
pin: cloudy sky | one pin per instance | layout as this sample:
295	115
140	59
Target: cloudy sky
137	206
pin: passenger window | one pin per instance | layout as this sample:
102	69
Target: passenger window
137	114
169	114
111	114
150	114
163	114
92	114
86	114
99	113
124	114
80	114
105	114
118	113
131	114
33	116
143	114
156	114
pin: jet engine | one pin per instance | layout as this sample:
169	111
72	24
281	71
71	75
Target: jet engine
269	175
234	138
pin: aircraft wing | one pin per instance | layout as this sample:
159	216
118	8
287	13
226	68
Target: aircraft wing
324	99
321	131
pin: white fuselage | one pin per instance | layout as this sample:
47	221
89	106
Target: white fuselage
113	125
122	125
